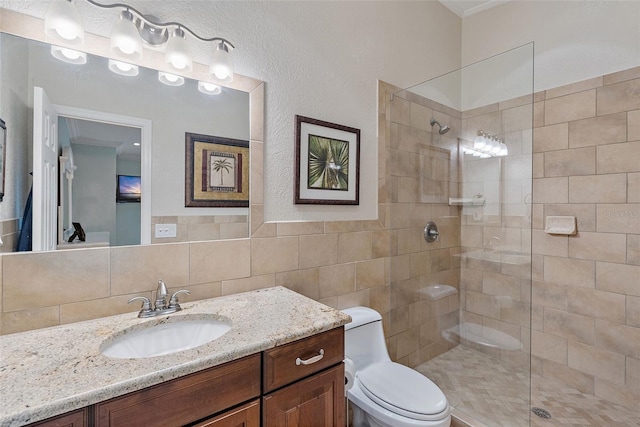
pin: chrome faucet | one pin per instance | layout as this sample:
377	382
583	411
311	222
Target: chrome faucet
161	307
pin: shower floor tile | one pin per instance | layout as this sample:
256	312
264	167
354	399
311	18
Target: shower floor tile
495	394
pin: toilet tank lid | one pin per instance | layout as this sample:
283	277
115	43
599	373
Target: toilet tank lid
361	316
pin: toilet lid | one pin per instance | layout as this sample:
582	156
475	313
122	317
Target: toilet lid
403	391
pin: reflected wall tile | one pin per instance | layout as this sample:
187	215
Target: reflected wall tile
45	279
138	268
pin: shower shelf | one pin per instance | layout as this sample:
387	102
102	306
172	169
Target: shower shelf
467	201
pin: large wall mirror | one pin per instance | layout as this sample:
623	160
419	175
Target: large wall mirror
112	128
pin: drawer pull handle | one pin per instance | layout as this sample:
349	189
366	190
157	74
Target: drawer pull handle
314	359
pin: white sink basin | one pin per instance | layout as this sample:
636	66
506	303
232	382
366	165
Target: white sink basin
165	338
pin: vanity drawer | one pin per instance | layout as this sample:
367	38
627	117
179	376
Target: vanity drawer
78	418
291	362
186	399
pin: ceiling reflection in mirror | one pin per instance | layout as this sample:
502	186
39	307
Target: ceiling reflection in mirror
169	111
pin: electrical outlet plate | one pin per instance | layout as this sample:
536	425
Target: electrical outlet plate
164	231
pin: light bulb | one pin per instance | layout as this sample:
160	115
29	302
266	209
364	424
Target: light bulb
123	68
480	141
69	55
503	149
170	79
221	66
125	39
63	22
495	146
178	54
209	88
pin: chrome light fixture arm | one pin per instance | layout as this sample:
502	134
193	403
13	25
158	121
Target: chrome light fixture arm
150	20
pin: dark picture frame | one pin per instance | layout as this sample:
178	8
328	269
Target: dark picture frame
216	171
3	156
327	163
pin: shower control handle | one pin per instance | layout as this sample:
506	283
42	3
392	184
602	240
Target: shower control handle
311	360
431	233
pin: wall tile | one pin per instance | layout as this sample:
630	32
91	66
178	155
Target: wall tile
571	326
370	274
618	338
256	181
518	118
633	188
420	117
597	304
619	278
26	320
616	158
598	130
47	279
305	282
550	295
619	97
138	268
483	304
633	249
354	299
248	284
597	362
354	246
576	106
273	255
295	228
549	244
570	271
342	226
501	285
580	161
86	310
337	280
618	218
598	189
317	250
633	311
574	87
621	76
598	246
216	261
400	111
633	125
549	347
548	138
633	374
551	190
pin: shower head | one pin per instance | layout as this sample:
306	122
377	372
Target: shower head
443	129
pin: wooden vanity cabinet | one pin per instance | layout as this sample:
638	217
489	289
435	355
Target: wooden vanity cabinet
79	418
304	382
296	384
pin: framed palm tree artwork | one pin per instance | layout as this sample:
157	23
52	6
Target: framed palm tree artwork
216	171
327	163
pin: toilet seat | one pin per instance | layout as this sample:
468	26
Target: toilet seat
403	391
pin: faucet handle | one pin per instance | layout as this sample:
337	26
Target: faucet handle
145	310
173	302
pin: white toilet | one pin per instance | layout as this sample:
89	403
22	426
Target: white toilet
385	393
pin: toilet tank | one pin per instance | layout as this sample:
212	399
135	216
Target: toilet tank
364	341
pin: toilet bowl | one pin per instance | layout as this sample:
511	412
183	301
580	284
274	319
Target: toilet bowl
385	393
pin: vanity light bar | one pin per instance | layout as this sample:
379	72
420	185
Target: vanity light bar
209	88
170	79
64	23
123	68
68	55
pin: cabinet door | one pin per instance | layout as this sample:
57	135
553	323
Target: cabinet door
245	416
186	399
317	401
72	419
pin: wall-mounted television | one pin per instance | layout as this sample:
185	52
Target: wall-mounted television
128	189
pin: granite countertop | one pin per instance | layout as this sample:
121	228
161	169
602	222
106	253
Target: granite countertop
47	372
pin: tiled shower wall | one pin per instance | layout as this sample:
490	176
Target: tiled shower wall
586	288
422	173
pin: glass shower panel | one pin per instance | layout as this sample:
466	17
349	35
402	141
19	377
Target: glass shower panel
460	155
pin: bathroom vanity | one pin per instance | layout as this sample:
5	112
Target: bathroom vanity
280	364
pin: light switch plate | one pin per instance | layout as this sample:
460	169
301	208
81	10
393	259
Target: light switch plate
165	231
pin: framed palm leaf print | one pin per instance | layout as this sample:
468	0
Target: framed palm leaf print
216	171
327	163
